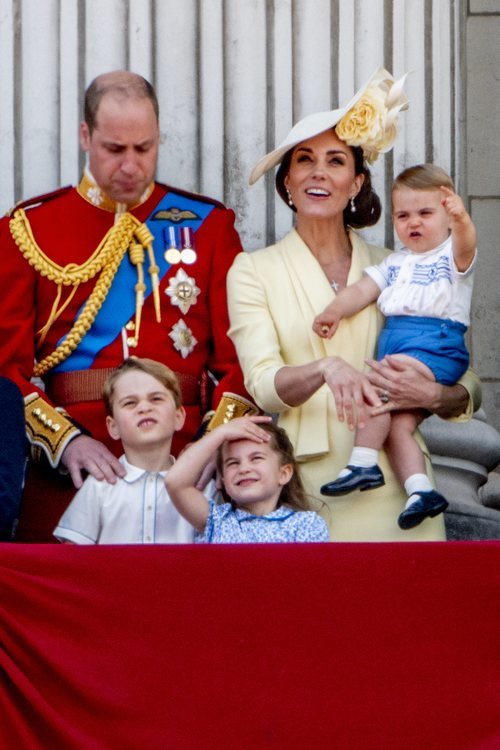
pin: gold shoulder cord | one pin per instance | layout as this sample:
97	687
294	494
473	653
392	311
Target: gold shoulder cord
105	259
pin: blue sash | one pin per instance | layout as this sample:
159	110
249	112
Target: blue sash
118	308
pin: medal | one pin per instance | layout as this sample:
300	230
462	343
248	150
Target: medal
172	254
182	290
188	254
182	336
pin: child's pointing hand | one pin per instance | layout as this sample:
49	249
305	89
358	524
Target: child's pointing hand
453	204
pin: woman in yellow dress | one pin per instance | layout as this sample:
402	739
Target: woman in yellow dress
320	387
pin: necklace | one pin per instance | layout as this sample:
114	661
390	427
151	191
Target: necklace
334	261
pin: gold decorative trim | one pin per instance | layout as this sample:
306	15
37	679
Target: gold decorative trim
89	190
230	407
105	259
47	429
71	274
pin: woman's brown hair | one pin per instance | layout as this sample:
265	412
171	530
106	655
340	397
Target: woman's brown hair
367	202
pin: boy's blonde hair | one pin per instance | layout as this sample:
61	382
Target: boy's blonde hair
423	177
157	370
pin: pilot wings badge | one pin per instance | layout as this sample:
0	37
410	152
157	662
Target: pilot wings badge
175	215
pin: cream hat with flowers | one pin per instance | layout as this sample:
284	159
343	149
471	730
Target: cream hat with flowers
369	120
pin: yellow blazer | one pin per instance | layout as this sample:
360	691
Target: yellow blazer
274	295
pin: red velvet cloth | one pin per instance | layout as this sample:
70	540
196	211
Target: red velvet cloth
341	646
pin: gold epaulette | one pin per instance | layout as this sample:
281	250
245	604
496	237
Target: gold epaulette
47	428
230	407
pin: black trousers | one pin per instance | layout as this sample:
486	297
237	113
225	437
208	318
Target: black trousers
13	455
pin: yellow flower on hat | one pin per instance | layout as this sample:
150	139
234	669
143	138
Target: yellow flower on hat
368	120
372	122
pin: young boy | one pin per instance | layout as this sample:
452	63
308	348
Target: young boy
143	403
425	291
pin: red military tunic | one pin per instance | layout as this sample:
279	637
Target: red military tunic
68	228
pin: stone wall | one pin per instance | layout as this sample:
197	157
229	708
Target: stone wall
482	122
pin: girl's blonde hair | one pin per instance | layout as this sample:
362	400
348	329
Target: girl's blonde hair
292	494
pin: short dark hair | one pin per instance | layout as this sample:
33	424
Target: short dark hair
121	83
367	202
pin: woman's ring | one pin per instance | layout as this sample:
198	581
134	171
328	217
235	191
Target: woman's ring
324	330
384	397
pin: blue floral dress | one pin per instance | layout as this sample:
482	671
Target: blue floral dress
228	525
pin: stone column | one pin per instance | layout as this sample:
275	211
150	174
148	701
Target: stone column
463	455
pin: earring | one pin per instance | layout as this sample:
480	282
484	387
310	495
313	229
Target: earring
353	206
289	196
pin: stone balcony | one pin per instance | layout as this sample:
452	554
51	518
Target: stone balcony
464	456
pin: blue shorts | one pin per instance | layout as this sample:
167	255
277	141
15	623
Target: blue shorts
437	343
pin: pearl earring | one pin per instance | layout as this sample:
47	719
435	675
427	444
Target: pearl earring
289	196
353	206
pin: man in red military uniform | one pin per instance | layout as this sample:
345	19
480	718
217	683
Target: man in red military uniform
118	266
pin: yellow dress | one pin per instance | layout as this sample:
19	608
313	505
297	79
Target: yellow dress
273	296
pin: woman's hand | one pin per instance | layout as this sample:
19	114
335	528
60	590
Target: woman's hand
352	391
402	386
406	388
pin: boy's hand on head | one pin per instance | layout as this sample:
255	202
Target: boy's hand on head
453	204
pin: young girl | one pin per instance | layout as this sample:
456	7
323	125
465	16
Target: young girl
425	292
266	499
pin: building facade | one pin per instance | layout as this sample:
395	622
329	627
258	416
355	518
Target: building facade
233	75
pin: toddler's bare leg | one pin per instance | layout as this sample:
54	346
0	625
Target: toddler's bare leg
362	471
404	452
378	429
375	432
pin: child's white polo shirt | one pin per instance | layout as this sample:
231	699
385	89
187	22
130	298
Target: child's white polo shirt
135	510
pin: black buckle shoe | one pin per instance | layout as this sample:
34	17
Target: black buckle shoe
360	478
430	504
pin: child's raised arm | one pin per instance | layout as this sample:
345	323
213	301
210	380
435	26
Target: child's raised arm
349	301
182	477
463	232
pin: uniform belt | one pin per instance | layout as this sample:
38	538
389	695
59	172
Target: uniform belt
65	388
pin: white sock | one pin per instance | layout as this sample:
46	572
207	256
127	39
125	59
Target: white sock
364	457
414	484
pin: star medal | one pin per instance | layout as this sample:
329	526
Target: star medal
182	336
182	290
188	253
172	254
